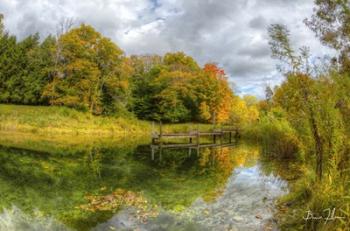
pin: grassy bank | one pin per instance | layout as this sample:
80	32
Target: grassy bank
61	120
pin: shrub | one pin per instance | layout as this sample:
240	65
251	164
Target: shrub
279	140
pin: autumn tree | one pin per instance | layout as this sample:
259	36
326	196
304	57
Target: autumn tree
93	73
243	111
216	96
281	49
179	61
308	104
162	87
175	89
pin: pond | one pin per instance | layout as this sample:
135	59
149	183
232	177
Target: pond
83	183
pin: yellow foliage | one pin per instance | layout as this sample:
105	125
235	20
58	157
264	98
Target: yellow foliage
241	113
118	199
204	111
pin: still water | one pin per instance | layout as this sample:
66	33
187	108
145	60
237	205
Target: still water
76	183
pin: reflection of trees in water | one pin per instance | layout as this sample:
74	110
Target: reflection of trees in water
56	181
202	174
220	163
93	160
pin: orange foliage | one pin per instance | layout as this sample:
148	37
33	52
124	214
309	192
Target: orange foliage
221	105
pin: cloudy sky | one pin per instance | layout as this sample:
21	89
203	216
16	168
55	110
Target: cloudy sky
232	33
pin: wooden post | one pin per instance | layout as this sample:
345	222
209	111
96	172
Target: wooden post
197	136
160	140
214	138
153	152
221	136
236	134
230	137
160	132
198	141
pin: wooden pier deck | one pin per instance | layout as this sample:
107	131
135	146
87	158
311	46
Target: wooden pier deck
160	137
160	140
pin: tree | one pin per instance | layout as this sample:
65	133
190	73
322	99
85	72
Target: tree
25	68
162	87
21	64
331	23
298	97
268	94
9	55
173	93
179	61
40	63
1	25
243	112
216	93
93	73
302	93
176	89
280	46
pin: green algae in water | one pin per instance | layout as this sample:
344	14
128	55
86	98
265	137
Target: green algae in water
54	176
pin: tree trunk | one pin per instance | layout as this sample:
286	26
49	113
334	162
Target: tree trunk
318	145
315	133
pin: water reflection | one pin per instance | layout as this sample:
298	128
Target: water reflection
217	187
245	204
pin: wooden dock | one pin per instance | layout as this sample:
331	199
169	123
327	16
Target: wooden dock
160	140
160	137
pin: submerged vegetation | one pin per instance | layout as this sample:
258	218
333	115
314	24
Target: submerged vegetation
71	180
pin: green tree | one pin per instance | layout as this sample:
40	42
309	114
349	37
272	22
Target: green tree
9	57
179	61
303	99
176	89
25	68
1	25
281	48
163	87
40	63
331	23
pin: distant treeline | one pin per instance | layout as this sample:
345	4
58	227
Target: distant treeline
82	69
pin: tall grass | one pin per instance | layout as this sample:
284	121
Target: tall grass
61	120
319	198
278	139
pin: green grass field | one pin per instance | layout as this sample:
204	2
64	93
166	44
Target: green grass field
61	120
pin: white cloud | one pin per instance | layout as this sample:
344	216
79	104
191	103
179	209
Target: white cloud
233	33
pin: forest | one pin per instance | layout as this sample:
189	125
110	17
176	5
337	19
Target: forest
81	69
304	122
